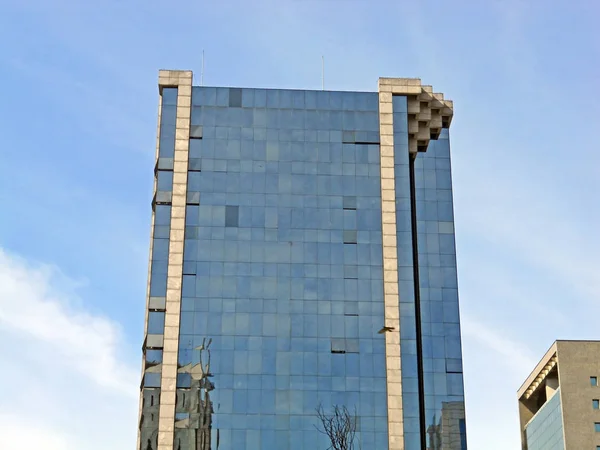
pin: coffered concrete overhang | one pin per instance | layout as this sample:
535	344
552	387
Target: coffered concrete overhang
428	112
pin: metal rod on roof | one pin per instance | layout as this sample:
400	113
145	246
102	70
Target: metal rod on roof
323	72
202	71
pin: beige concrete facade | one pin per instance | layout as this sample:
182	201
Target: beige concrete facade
390	274
183	81
428	113
565	369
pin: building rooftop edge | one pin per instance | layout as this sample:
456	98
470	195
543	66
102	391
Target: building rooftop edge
428	111
167	77
545	361
537	369
283	89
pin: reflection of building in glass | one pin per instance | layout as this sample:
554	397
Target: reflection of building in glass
150	401
149	420
193	408
449	431
310	234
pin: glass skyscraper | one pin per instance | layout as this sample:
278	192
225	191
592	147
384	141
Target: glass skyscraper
302	255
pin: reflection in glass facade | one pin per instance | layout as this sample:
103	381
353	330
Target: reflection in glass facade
545	430
429	314
282	290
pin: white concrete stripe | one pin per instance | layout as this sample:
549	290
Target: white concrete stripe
166	421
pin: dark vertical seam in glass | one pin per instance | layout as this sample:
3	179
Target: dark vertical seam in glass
415	247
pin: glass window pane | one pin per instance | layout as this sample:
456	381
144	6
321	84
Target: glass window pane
184	380
153	357
152	380
169	96
193	198
349	202
235	97
231	216
338	345
196	132
156	322
164	180
162	215
352	345
165	164
163	197
349	236
195	165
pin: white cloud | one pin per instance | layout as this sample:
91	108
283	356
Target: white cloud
69	389
495	364
491	379
39	302
514	354
13	430
528	276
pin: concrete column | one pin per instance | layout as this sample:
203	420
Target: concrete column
166	421
390	274
428	113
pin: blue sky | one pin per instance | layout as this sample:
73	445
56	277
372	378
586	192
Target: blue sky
78	118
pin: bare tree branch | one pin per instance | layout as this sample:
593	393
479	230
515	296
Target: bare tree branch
339	427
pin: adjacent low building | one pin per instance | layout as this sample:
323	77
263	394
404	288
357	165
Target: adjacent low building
559	403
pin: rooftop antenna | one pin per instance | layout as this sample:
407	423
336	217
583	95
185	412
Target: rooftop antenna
323	73
202	71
